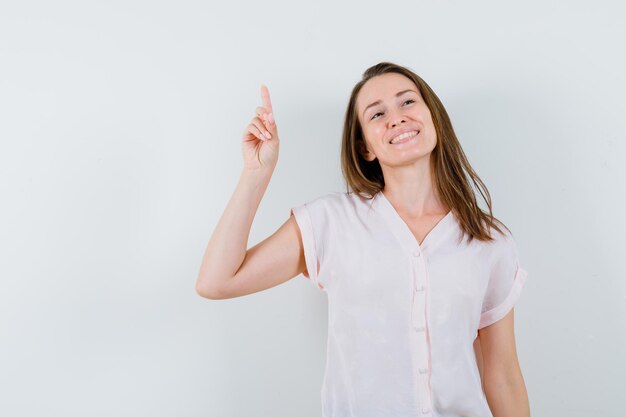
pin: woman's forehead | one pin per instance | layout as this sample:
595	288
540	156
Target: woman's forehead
383	87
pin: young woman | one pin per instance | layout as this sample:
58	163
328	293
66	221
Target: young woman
421	282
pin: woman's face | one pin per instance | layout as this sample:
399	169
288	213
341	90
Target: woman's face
392	115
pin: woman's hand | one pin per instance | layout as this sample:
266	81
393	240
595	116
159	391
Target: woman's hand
259	151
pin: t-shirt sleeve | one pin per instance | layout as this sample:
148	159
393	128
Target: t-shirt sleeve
506	279
311	219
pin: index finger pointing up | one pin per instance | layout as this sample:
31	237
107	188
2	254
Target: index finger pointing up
265	96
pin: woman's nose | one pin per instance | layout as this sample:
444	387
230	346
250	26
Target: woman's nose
396	121
396	117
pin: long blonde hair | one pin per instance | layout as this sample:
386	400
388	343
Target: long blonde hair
451	171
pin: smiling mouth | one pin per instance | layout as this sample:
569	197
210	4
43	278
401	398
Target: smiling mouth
405	137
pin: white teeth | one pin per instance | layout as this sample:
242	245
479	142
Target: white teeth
403	136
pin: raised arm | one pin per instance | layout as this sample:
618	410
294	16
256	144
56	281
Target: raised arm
228	268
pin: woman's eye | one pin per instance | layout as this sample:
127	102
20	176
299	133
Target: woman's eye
405	101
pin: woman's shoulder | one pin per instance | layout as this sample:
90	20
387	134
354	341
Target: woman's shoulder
502	241
330	199
337	204
503	244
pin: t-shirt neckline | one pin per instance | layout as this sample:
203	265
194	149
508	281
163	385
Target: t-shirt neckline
403	231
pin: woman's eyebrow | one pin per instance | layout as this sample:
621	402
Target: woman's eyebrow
398	94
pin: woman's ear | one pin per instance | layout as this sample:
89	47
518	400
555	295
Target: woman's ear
367	155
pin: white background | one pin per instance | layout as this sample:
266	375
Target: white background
120	129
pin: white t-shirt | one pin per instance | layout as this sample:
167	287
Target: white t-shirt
403	318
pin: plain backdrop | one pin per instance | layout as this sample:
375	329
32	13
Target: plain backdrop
120	129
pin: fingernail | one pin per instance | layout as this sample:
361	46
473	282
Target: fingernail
267	135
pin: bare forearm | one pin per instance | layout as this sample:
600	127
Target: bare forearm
227	246
508	399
